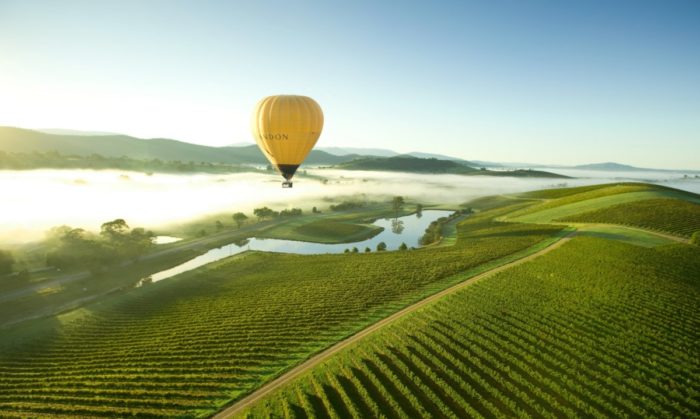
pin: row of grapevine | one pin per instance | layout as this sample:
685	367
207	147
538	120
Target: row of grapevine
191	344
669	215
593	329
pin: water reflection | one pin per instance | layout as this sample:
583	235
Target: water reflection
396	231
397	225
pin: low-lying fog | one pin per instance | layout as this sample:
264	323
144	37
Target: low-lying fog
34	201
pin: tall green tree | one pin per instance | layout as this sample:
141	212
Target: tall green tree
239	218
397	204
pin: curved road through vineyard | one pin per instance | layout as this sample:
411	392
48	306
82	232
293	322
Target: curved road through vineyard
322	356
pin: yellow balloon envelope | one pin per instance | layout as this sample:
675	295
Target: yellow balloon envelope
286	128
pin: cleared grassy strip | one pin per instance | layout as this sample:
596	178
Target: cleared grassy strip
594	328
546	215
624	234
215	334
673	216
570	201
557	193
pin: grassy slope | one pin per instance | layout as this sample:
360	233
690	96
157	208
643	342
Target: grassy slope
16	140
335	231
612	334
674	216
192	343
594	199
331	227
624	234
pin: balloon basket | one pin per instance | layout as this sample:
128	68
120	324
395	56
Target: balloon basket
287	184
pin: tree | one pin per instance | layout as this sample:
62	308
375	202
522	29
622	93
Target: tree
354	250
77	248
367	250
239	218
264	212
6	262
403	246
293	212
114	230
419	210
397	204
219	225
140	241
381	247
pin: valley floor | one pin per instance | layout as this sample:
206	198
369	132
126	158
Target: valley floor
601	323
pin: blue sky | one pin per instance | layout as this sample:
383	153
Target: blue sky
560	82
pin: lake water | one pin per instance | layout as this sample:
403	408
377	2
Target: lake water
408	229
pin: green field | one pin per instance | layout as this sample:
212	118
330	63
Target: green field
337	231
188	345
624	234
594	198
673	216
610	335
605	325
333	226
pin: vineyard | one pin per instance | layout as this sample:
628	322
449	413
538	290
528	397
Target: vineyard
592	198
673	216
188	345
610	335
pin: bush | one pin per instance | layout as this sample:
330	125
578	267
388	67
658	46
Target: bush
347	205
695	238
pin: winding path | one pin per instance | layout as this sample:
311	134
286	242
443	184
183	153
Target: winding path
266	389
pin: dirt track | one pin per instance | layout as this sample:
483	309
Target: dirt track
266	389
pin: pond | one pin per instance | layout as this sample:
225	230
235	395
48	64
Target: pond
165	239
408	229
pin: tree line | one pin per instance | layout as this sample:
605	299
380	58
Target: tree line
71	248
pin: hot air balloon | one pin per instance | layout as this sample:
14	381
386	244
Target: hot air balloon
286	127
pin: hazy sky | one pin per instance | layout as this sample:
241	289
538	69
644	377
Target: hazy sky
562	82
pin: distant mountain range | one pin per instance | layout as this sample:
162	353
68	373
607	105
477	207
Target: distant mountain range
17	140
617	167
411	164
61	131
85	143
383	152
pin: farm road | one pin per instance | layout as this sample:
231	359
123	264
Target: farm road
266	389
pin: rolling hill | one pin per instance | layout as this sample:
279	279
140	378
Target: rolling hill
17	140
413	164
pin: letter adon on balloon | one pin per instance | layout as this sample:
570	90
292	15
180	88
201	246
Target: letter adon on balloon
286	128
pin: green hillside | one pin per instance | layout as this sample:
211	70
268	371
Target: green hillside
604	325
431	165
17	140
407	164
567	203
673	216
192	343
610	335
